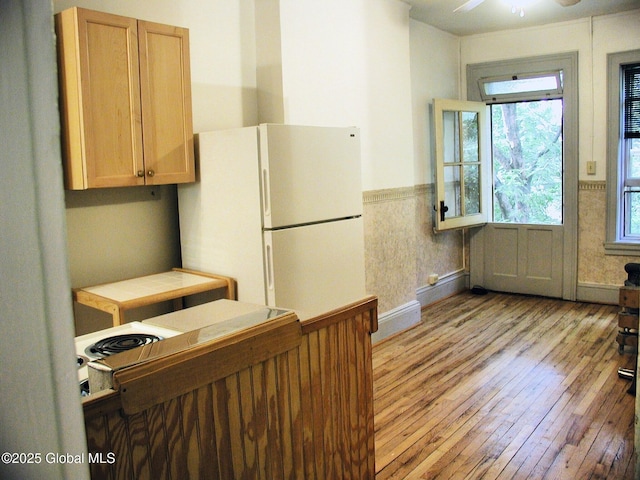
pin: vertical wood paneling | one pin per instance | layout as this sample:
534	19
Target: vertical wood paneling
316	404
235	432
370	325
354	394
209	463
159	454
306	414
342	392
297	436
98	441
139	441
283	393
275	467
190	432
330	402
120	442
221	427
247	427
175	440
260	420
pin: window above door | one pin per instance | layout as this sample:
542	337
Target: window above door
531	86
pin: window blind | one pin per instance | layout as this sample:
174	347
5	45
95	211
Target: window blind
632	101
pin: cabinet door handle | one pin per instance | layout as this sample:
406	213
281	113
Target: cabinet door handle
151	173
140	173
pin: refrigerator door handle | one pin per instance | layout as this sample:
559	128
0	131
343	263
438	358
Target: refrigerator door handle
266	194
269	259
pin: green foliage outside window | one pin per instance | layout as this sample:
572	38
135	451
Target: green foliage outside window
527	162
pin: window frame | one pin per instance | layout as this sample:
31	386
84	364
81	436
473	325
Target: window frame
442	222
615	241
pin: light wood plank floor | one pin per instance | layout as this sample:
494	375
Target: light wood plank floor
504	387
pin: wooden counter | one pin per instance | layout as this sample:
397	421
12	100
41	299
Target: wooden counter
290	400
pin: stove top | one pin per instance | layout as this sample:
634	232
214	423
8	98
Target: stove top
110	341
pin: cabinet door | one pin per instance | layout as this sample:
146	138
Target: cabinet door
165	82
101	99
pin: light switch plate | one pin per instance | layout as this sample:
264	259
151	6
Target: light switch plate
591	167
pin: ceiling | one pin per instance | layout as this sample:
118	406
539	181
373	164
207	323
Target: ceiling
493	15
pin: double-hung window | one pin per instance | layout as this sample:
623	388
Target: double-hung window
623	207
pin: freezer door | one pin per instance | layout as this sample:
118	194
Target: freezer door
315	268
309	174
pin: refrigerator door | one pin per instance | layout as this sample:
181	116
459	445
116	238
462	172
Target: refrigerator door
315	268
309	174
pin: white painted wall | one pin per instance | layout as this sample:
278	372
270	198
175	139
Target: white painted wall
386	115
435	67
348	63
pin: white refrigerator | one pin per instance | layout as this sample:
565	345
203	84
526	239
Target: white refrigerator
279	208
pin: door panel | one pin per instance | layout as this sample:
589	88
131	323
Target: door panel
523	259
503	260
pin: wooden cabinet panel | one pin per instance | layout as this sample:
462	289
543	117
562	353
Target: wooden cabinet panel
126	101
98	56
166	103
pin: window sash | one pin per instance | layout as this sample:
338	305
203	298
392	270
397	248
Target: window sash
518	87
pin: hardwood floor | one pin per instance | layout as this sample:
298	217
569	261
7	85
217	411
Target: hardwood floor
504	386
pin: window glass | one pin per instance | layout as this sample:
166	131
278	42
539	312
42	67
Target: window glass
629	211
527	162
513	87
521	85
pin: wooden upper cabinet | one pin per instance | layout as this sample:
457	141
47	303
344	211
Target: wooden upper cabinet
125	101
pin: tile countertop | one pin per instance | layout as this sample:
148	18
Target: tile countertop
133	288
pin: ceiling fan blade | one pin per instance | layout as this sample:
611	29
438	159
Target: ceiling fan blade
470	5
567	3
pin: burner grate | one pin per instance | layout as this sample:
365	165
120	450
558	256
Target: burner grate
120	343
